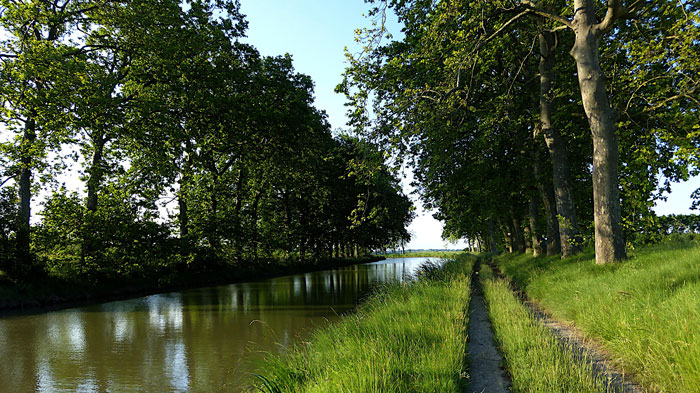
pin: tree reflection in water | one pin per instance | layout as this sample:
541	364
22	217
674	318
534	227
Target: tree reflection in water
199	340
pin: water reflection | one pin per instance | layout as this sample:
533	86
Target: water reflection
202	340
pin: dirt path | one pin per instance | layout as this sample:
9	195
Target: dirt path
485	372
584	350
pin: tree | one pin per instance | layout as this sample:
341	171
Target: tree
453	50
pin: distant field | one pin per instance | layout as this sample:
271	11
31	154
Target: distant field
427	254
645	311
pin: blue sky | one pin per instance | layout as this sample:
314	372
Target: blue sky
315	33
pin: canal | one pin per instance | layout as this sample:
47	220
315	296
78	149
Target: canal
199	340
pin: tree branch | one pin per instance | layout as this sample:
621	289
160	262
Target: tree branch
532	7
687	94
8	179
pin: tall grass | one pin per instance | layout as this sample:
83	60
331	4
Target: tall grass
408	338
533	357
644	311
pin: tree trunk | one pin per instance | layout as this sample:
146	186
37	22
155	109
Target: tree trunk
527	237
95	171
95	178
609	240
552	245
183	217
553	238
492	236
254	224
24	257
569	233
517	234
536	244
238	241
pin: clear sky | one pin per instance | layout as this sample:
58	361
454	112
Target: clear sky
315	33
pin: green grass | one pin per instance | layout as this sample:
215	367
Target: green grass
426	254
533	357
644	311
408	338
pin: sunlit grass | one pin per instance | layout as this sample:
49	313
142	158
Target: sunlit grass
644	311
408	338
534	359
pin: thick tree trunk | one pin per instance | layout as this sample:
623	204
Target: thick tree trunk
527	237
492	236
96	172
609	240
553	238
533	213
183	216
552	245
569	233
508	237
24	257
238	241
254	224
518	242
95	178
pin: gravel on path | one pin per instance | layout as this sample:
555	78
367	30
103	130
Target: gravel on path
485	361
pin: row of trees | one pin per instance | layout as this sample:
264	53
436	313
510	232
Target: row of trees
550	121
158	100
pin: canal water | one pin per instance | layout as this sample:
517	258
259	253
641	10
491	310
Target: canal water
200	340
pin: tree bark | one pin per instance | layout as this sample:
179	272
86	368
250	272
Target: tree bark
96	171
569	232
527	237
553	245
254	224
517	234
24	257
492	236
609	240
183	216
533	213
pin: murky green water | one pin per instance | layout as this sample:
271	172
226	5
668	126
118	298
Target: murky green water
202	340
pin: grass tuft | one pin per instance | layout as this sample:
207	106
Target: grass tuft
534	359
645	311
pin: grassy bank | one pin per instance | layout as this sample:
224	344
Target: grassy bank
52	291
533	357
407	338
425	254
645	311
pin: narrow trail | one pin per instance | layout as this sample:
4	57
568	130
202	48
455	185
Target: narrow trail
569	336
485	372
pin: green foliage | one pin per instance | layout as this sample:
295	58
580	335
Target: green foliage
114	242
8	215
154	101
457	97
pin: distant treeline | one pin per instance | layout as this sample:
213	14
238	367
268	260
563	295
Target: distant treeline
157	101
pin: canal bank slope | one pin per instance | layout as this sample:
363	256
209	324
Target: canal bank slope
403	338
643	312
52	294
